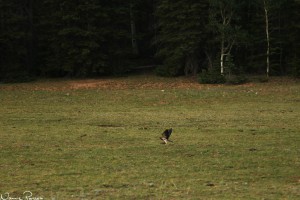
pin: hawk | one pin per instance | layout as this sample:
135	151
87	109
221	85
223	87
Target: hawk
165	135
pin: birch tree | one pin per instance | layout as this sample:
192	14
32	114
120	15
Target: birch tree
135	49
266	10
221	23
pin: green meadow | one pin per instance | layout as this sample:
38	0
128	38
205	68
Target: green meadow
95	142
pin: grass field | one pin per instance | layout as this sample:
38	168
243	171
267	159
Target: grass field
99	139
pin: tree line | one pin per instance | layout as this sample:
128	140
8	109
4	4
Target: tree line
57	38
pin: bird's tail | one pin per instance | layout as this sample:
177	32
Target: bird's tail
164	139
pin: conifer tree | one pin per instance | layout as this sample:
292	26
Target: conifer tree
180	35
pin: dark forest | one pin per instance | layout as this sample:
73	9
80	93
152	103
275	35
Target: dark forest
59	38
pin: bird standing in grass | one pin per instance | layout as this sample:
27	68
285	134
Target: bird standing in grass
166	135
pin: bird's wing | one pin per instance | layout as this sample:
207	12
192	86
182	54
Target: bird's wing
165	134
168	133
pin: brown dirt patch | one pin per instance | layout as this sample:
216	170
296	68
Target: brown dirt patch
132	82
140	82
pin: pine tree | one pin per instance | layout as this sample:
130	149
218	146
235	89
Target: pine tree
292	45
180	35
16	39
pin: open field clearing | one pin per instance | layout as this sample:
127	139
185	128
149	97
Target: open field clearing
99	139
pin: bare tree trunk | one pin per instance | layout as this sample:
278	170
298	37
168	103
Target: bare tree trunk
282	68
210	63
28	7
133	32
31	43
222	56
268	37
191	65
